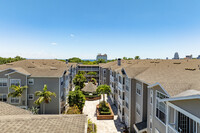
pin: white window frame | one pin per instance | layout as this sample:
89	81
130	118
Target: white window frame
32	81
157	99
30	95
151	96
15	79
6	97
1	79
14	98
138	107
138	87
156	130
150	123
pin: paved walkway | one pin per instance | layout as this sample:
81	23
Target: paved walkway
103	126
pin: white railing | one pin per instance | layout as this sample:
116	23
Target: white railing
89	69
120	86
111	78
121	101
171	129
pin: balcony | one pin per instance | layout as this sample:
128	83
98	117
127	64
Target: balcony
95	76
121	101
88	69
171	129
121	87
111	78
121	116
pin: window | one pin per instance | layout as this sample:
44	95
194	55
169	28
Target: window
151	96
138	109
138	88
3	82
30	81
127	105
61	81
15	82
3	97
30	96
14	100
104	71
160	107
120	80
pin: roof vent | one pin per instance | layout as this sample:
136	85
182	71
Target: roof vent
191	69
177	62
31	66
119	62
53	68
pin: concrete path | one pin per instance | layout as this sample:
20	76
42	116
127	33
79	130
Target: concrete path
103	126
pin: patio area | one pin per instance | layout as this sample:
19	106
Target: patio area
103	126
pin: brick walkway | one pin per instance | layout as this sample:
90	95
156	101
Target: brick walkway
103	126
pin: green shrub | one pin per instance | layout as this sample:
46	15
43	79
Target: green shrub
104	108
90	129
105	113
73	110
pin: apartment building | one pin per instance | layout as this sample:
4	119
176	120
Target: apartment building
101	56
89	68
143	84
55	74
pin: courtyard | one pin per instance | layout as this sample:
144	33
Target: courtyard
103	126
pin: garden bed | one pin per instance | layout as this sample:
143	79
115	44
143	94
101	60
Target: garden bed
92	98
110	116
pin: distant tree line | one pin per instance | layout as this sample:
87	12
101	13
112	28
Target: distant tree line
87	62
136	58
9	60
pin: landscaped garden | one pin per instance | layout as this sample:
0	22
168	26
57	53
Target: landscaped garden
104	110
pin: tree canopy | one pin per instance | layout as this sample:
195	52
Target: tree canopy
137	57
17	90
103	89
76	98
9	60
79	80
44	96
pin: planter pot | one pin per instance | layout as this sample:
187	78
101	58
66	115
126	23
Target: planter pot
104	117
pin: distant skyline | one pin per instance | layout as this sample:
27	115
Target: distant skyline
83	28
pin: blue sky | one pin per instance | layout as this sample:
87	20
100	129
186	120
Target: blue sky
84	28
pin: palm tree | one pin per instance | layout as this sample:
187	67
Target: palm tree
44	96
103	89
17	90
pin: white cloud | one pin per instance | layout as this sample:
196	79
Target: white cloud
53	43
71	35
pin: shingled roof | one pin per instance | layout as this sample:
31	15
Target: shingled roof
43	124
39	68
7	109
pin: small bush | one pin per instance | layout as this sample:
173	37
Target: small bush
104	108
90	128
105	113
73	110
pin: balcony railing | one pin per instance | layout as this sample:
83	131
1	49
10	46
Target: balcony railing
121	101
171	129
89	69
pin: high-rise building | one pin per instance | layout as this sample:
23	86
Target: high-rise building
198	57
188	56
176	56
100	56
